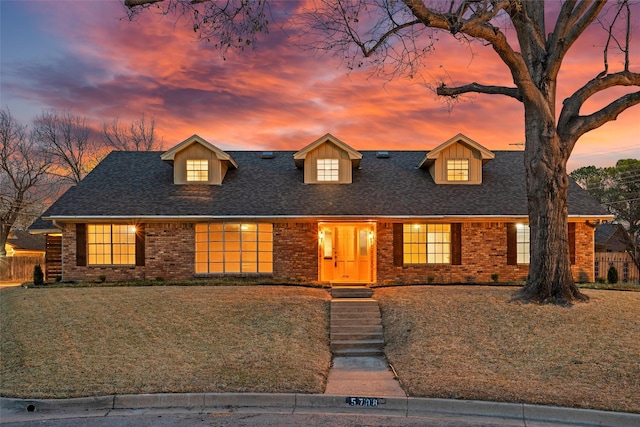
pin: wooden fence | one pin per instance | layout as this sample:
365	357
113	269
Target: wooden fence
19	269
622	261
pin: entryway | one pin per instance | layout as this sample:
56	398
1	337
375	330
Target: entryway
346	252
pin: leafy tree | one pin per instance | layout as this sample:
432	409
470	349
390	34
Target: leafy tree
617	188
397	35
139	136
23	169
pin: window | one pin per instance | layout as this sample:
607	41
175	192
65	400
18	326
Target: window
197	170
426	243
458	170
327	169
111	244
522	243
234	248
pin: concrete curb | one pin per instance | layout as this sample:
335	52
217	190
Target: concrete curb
39	409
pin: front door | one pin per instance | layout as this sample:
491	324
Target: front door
346	252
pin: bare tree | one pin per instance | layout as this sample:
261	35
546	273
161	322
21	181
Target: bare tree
23	168
67	140
139	136
396	35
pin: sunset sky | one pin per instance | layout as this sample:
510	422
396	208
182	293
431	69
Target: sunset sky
87	57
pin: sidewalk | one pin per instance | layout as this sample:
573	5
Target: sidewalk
369	375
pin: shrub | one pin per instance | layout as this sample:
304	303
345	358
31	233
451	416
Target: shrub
495	277
601	280
102	278
38	276
612	275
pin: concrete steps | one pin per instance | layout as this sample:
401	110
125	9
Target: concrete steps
356	327
350	291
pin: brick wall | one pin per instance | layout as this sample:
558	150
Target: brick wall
484	252
295	251
585	243
169	253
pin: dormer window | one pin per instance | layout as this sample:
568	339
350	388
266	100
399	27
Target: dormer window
458	161
327	169
458	170
327	160
196	161
197	170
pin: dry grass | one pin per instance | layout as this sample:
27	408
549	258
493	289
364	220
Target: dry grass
96	341
470	342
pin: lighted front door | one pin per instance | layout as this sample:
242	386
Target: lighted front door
346	252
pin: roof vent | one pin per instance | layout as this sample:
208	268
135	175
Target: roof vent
267	155
382	154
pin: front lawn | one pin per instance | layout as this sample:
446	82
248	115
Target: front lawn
470	342
96	341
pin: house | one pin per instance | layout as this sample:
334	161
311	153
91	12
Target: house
328	212
23	252
612	246
21	243
611	238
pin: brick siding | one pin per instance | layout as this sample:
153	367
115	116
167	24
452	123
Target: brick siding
484	252
295	251
170	254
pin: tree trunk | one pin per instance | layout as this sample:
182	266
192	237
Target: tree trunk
550	279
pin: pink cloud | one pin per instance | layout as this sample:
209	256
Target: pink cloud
281	97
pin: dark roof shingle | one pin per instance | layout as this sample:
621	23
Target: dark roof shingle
140	184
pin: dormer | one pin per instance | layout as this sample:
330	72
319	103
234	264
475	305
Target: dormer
196	161
327	160
457	161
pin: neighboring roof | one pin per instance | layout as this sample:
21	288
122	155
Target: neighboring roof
611	236
354	155
169	155
432	155
41	226
140	184
23	240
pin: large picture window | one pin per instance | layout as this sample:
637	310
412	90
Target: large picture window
327	169
109	244
522	243
234	248
427	243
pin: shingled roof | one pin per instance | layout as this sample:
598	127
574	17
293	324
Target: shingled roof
140	185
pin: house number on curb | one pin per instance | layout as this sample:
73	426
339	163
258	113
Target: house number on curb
365	401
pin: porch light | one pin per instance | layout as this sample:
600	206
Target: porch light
133	229
371	235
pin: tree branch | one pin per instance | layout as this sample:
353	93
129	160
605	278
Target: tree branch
513	92
140	3
571	125
565	36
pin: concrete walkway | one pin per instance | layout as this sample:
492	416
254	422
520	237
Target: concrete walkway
367	376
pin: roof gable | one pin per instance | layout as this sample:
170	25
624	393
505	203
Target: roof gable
169	155
484	153
353	154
